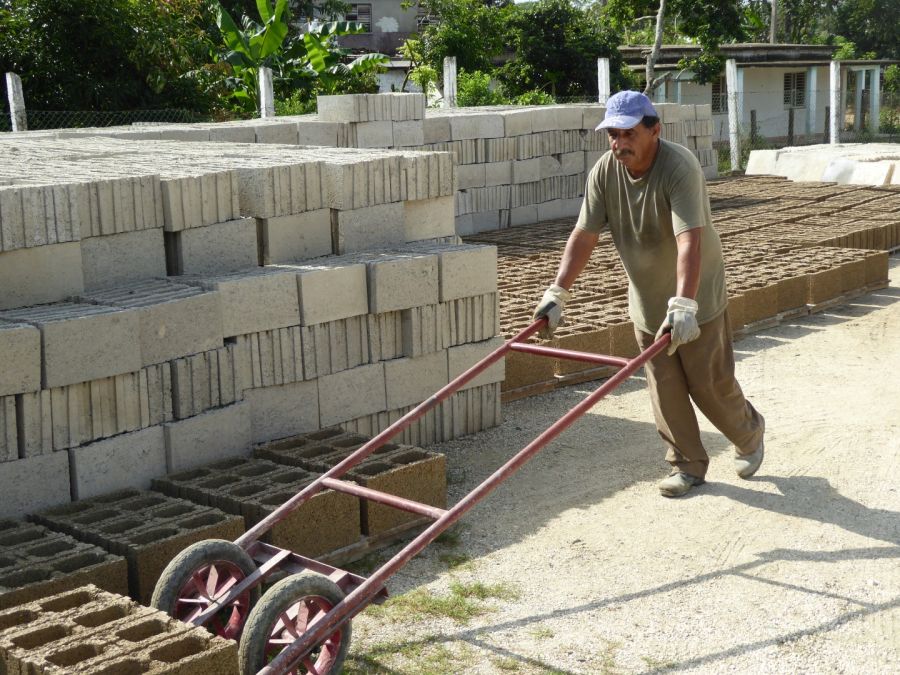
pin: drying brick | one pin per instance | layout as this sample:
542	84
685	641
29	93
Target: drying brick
123	258
351	393
34	483
208	437
20	369
124	461
40	275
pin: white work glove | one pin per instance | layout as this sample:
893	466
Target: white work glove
681	320
551	306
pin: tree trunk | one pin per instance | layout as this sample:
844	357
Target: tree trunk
773	19
653	56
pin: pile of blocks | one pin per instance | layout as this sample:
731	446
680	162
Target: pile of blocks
168	304
93	632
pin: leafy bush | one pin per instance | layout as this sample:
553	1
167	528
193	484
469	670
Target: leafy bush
534	97
474	89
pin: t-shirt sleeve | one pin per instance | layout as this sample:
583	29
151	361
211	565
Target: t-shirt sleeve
593	209
688	199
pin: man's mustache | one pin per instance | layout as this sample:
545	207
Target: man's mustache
622	153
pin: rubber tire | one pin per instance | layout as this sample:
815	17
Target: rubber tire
287	592
181	568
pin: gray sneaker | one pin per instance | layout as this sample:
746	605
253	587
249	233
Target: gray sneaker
747	465
678	484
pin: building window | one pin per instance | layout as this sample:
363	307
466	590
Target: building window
423	17
794	90
719	96
361	14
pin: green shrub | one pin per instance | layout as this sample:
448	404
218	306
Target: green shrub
474	89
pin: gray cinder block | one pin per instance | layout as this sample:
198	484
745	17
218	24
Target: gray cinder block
34	483
400	280
9	435
318	132
469	176
334	289
119	259
497	173
429	218
463	357
465	269
215	249
437	129
211	379
351	393
284	133
175	319
33	276
341	108
209	437
411	133
287	410
20	363
368	228
552	118
295	237
373	134
83	342
476	125
518	122
124	461
410	381
279	190
240	293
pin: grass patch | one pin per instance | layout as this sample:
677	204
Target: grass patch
657	664
454	560
541	633
507	664
367	564
450	537
463	603
425	656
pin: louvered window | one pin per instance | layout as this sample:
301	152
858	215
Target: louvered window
361	14
719	96
795	90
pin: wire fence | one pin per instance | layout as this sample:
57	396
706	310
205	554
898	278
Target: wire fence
79	119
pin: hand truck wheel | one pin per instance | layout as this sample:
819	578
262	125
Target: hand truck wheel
283	615
199	575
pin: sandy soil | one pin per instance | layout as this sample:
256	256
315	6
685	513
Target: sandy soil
794	571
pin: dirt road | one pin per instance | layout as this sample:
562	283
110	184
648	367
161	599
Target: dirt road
577	565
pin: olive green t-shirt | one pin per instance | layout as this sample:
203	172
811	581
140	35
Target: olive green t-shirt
644	216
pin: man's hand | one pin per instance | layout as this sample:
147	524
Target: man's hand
551	306
681	321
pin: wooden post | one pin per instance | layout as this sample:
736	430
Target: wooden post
734	133
449	82
602	81
266	93
835	101
16	102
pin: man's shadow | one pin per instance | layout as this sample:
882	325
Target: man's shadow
814	498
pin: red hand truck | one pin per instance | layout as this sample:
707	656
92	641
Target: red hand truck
303	622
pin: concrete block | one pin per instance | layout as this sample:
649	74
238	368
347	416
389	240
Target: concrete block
523	215
409	381
175	319
476	125
428	218
122	258
497	173
33	276
83	342
557	117
34	483
331	290
351	393
437	129
400	280
20	366
518	122
211	379
551	165
591	116
284	133
128	460
551	210
240	294
342	108
279	412
368	228
761	162
463	357
406	134
215	249
526	171
280	190
232	132
373	134
572	163
209	437
9	435
466	270
295	237
469	176
318	132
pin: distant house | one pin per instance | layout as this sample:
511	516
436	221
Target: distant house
387	25
783	90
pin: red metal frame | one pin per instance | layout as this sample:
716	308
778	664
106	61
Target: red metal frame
360	592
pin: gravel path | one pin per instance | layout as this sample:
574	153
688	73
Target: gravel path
588	570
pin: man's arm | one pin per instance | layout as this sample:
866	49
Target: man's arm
687	269
575	257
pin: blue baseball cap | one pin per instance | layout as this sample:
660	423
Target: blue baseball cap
626	109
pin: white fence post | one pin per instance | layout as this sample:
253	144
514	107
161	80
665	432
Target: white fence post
734	132
449	82
266	93
835	95
602	81
16	102
875	100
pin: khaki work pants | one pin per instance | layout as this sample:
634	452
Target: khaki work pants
702	370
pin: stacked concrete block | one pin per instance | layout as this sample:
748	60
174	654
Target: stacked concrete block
89	630
36	562
147	528
377	120
253	488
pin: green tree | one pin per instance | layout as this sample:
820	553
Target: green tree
555	47
467	29
873	25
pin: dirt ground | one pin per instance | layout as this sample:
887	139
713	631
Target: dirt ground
578	565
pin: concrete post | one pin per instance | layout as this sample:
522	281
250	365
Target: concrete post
449	82
16	102
843	98
734	133
835	102
266	93
602	81
857	101
875	100
812	100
